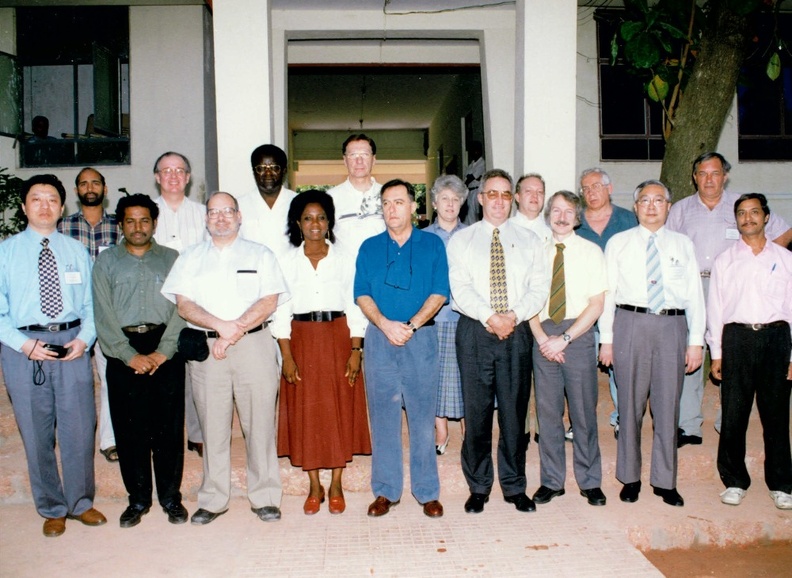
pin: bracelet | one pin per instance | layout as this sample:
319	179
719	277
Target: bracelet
360	349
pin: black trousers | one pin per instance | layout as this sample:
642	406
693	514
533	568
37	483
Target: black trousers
490	367
755	363
148	419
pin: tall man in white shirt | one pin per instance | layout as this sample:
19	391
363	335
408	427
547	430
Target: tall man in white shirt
499	280
563	348
266	208
228	287
357	200
181	223
530	197
652	332
708	219
749	312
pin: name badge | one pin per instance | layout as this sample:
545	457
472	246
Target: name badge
73	278
732	234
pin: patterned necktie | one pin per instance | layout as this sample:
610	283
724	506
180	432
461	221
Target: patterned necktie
499	295
557	307
49	284
654	276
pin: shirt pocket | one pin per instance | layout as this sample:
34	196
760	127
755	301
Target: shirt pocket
247	283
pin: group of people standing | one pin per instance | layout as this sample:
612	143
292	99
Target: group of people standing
265	304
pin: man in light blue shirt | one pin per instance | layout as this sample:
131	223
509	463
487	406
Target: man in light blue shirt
46	327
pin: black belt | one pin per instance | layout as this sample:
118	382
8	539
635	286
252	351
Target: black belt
52	327
668	312
142	328
760	326
215	335
318	316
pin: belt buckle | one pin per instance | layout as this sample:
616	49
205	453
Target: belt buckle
756	326
53	328
316	315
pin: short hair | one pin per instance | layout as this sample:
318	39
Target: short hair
748	196
395	183
606	180
450	182
648	183
77	178
494	174
269	150
50	180
172	153
297	207
569	197
215	193
529	176
361	136
136	200
707	156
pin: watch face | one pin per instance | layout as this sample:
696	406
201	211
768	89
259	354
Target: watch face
567	337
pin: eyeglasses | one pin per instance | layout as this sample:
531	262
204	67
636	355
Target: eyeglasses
364	156
168	171
225	211
646	201
595	188
495	195
261	169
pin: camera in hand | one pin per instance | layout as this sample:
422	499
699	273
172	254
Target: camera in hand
59	349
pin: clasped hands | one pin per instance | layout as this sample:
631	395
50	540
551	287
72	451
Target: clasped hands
229	333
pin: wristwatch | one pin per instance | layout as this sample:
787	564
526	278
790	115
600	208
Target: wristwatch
411	326
567	337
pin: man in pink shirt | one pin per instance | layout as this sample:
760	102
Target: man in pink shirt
749	312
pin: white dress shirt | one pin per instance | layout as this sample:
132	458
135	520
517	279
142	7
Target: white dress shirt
183	227
625	259
538	226
527	273
351	227
266	225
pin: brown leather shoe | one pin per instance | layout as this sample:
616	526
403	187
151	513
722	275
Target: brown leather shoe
92	517
54	527
380	507
433	509
311	505
337	505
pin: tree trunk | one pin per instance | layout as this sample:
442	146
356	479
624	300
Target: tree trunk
707	98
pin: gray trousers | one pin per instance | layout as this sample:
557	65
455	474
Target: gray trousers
649	363
691	417
577	376
65	400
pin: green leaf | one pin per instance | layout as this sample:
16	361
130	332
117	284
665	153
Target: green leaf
774	66
614	49
657	89
630	28
662	41
642	51
673	30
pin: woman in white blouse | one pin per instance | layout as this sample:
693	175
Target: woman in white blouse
323	419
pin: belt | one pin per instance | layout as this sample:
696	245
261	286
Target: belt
318	316
142	328
705	274
668	312
52	327
215	335
760	326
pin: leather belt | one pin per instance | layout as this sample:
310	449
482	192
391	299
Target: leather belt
760	326
318	316
142	328
668	312
215	335
52	327
706	274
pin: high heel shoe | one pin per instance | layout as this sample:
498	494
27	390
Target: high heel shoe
311	505
440	449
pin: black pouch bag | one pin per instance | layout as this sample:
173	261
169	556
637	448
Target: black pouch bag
192	344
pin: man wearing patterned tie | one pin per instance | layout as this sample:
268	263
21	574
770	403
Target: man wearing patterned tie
652	332
357	200
46	327
563	348
499	280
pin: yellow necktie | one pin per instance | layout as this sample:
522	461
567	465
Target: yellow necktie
557	307
499	295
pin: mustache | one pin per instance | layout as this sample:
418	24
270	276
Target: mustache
561	223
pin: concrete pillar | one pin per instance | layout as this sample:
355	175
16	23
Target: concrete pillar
498	93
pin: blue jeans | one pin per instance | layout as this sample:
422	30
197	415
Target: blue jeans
399	377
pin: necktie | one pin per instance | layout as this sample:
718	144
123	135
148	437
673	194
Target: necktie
654	276
499	295
557	307
49	284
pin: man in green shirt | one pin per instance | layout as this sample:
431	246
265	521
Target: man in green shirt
138	330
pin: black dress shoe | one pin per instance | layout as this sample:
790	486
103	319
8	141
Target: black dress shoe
132	515
177	513
685	440
594	495
475	503
201	516
629	492
196	447
522	502
670	497
545	494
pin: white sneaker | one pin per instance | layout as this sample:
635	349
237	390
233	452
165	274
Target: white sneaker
569	435
783	501
732	496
